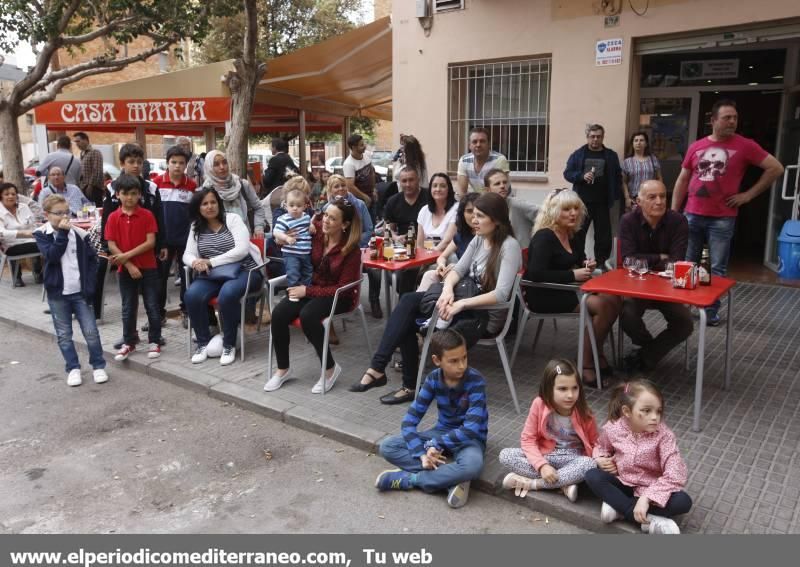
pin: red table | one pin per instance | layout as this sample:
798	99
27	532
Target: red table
390	267
653	287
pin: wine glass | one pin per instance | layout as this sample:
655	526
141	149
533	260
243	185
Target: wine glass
641	267
630	265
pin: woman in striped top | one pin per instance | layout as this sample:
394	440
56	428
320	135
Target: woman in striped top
218	239
639	166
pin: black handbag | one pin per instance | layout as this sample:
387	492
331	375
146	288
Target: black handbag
466	287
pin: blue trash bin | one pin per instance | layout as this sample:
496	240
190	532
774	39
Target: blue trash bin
789	251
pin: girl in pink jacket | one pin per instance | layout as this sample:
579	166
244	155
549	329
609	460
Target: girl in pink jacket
557	438
640	474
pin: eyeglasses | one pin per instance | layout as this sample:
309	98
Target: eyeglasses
58	213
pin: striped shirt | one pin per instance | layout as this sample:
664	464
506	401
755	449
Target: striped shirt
211	244
462	413
637	172
285	223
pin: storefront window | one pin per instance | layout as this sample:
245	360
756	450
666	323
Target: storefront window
759	67
509	98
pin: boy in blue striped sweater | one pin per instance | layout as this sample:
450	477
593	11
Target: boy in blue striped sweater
459	435
293	232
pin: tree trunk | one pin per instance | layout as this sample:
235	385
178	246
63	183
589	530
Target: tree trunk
243	82
11	148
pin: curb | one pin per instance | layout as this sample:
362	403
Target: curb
583	514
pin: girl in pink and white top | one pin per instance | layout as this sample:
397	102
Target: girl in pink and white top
557	439
640	475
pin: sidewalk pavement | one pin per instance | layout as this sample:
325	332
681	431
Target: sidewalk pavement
739	464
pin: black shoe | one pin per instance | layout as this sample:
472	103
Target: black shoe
633	363
376	383
375	306
118	345
400	396
19	282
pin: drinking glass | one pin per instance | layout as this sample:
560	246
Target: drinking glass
641	267
428	243
630	265
388	250
669	267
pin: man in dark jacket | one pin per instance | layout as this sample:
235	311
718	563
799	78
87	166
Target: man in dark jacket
278	165
70	264
596	177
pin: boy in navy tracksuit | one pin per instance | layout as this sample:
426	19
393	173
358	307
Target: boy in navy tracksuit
70	264
175	190
131	158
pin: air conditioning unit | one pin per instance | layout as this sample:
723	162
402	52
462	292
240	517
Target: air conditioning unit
423	8
447	5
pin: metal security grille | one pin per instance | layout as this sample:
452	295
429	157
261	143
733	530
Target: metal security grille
511	99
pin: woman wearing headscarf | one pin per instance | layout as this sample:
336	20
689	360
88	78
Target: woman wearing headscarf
238	196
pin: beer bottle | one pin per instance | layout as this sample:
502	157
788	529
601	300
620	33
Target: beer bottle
704	271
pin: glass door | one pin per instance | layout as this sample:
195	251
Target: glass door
667	121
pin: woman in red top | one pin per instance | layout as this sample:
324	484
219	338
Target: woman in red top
336	258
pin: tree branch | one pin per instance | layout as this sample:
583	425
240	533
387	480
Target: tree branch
51	92
99	32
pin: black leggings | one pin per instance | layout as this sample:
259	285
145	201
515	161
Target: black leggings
610	490
311	312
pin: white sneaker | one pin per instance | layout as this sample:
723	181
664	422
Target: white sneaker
100	376
277	381
608	514
200	355
659	525
154	350
74	377
228	356
571	492
329	382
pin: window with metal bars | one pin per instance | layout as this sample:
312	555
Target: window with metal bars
511	99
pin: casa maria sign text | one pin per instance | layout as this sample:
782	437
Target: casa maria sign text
166	111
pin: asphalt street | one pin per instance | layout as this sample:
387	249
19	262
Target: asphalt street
139	455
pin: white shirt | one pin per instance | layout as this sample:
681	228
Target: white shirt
69	267
351	165
425	221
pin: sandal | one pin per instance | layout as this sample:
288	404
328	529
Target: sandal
375	383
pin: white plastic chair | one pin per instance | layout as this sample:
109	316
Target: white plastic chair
280	283
497	340
15	268
525	313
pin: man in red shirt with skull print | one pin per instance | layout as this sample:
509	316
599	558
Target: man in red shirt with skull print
712	172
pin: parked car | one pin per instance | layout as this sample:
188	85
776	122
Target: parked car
157	167
334	164
382	162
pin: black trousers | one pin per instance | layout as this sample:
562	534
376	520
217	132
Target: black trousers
311	310
163	271
600	215
100	282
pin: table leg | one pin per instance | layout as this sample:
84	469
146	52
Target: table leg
581	328
387	291
698	388
728	339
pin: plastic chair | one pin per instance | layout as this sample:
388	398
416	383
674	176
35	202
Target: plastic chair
497	340
280	283
525	313
259	294
15	268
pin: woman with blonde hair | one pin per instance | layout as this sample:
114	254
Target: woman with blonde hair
557	255
336	188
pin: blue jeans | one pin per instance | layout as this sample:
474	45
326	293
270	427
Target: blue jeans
229	294
466	464
150	286
61	310
718	233
298	269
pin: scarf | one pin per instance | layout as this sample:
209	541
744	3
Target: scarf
227	187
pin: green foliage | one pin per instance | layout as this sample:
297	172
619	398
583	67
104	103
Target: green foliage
59	22
284	26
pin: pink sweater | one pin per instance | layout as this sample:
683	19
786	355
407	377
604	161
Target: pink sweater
536	442
648	462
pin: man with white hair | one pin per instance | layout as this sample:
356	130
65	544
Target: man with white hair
194	167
